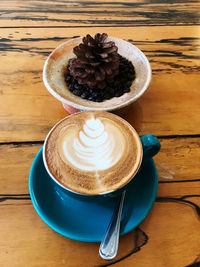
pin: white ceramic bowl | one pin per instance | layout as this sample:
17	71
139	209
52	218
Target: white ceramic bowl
55	65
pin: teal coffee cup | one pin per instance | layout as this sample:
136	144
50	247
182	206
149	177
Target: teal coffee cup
95	154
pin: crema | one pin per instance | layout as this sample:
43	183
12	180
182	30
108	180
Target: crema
93	152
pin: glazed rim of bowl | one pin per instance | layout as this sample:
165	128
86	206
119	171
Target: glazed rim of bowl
56	63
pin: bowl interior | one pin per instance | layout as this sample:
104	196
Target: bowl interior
56	63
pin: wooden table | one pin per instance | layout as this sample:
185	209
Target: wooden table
168	32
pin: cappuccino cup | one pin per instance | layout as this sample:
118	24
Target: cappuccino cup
95	153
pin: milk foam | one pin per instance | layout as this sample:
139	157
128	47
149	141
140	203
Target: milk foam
97	146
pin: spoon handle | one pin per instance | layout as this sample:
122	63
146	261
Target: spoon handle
109	245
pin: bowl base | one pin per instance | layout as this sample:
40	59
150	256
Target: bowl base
70	109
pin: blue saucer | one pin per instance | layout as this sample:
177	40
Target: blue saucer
88	220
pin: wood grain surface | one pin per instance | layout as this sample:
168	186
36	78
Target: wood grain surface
88	13
172	225
168	32
172	51
176	163
172	230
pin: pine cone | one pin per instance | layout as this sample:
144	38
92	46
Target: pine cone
97	61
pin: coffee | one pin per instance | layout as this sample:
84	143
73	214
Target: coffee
92	152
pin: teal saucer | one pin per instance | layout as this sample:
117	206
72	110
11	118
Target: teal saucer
87	220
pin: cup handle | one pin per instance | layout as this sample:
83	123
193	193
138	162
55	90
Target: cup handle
150	145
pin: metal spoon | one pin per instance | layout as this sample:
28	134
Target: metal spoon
109	246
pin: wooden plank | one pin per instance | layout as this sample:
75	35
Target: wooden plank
33	243
15	165
177	161
94	13
171	227
28	111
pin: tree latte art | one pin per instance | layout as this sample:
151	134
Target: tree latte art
94	148
92	152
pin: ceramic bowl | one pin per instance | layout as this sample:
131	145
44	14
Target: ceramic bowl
55	66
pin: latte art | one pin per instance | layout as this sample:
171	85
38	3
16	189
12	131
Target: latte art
98	146
92	152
